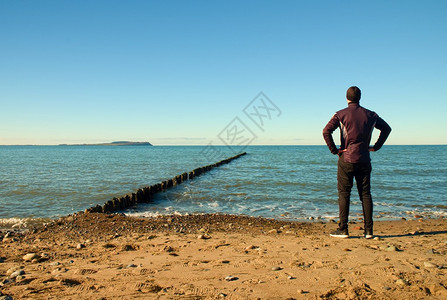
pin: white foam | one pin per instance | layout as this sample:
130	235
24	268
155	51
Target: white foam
16	222
214	204
145	214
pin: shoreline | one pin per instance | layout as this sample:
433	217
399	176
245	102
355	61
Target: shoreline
212	256
26	223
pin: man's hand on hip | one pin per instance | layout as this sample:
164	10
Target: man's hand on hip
340	151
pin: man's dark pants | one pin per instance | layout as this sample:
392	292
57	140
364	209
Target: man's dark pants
345	175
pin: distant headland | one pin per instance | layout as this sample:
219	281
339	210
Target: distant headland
119	143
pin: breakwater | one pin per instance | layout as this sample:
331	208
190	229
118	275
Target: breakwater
145	195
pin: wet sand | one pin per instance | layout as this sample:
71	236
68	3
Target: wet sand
100	256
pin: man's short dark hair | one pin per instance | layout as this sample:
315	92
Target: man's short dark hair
353	94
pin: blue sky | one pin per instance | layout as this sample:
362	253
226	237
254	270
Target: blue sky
179	72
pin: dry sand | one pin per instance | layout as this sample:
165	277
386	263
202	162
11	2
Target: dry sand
99	256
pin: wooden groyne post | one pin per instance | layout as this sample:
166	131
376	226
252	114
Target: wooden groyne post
146	194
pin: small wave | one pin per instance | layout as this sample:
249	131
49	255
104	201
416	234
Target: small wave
438	206
145	214
13	221
239	194
21	223
214	204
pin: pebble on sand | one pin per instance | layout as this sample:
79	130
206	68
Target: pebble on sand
30	256
402	282
204	237
16	274
231	278
392	248
59	271
428	264
251	247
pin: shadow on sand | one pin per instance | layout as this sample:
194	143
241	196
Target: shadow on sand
390	236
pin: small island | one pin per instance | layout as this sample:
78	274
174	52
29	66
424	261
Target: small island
119	143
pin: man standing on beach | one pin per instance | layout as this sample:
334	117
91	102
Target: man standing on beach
356	125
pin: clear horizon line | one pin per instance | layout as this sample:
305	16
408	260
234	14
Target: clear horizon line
220	145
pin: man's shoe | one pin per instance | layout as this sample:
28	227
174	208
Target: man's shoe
368	234
340	233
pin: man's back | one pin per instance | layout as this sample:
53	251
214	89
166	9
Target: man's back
356	124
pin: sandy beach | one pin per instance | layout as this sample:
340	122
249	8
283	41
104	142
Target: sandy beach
100	256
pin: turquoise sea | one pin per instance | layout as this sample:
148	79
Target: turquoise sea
282	182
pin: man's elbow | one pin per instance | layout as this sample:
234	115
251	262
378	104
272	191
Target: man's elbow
386	129
327	131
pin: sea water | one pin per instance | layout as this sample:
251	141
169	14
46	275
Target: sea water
281	182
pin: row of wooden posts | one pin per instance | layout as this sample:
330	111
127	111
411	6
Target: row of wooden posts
146	194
